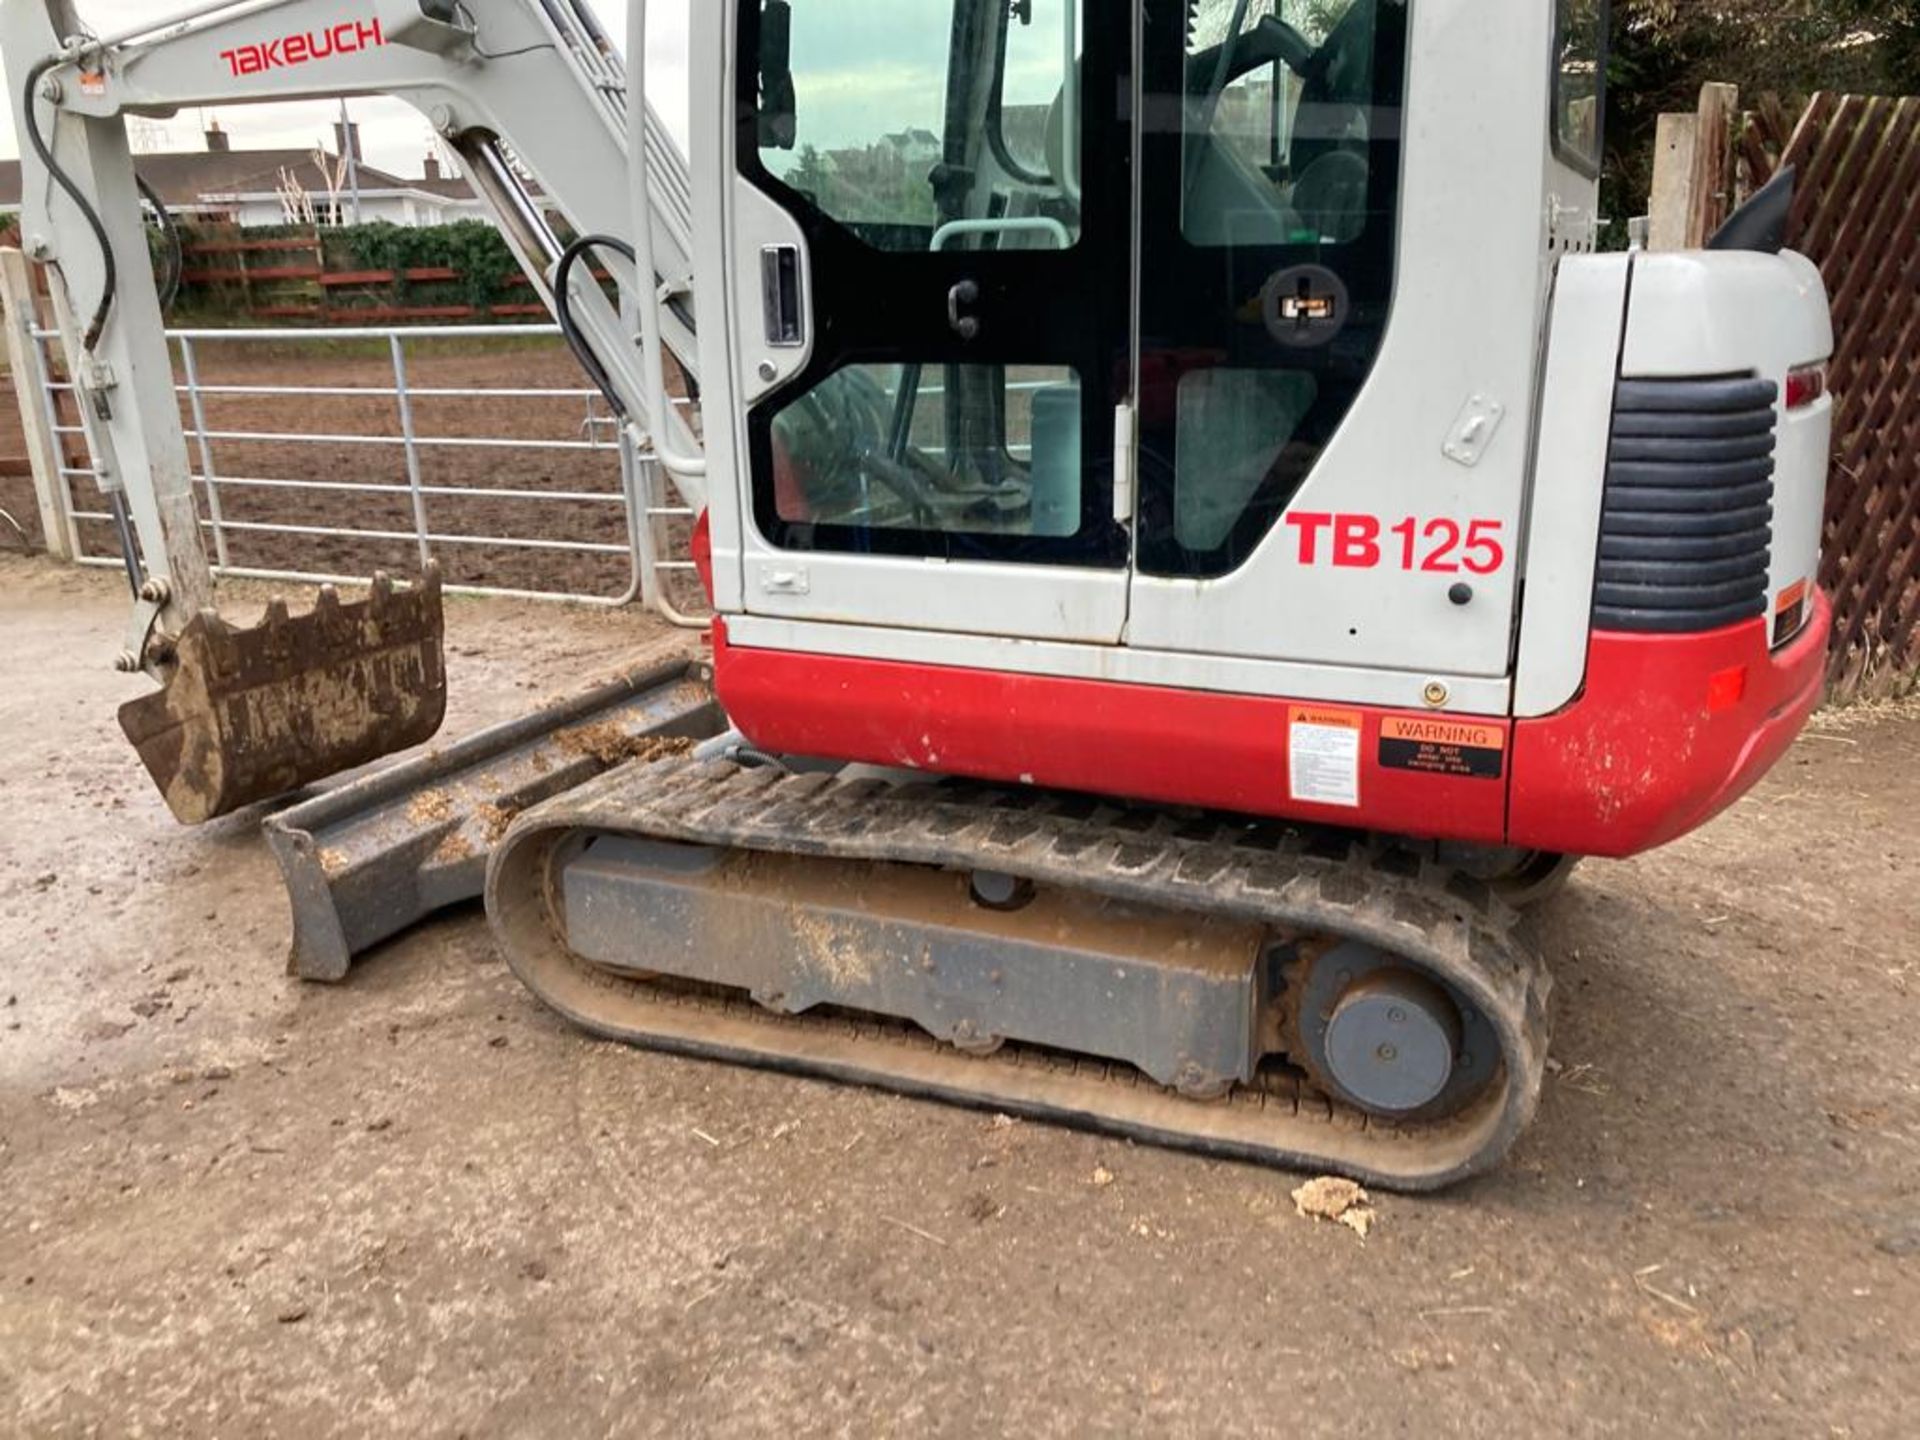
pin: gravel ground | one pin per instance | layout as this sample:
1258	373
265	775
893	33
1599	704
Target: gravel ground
420	1204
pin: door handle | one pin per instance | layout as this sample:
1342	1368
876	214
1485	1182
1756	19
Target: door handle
780	294
966	293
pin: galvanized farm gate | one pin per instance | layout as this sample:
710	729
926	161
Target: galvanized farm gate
648	555
1858	217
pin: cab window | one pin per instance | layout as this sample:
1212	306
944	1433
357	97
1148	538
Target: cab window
1579	82
854	118
1282	118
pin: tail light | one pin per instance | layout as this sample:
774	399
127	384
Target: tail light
1805	385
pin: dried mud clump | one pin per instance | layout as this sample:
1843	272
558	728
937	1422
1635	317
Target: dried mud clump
430	807
494	821
608	745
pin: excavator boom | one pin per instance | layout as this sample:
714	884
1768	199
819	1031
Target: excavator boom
246	714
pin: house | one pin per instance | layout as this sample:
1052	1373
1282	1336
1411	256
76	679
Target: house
276	187
914	147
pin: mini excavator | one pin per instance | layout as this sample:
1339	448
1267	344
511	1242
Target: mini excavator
1198	533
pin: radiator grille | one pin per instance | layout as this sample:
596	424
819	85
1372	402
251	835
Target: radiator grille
1687	531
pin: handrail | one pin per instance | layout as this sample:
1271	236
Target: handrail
1045	224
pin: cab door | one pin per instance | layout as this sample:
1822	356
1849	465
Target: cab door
930	225
1341	260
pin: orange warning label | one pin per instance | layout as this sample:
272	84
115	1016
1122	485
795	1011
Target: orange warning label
1440	731
1465	749
1347	719
1790	597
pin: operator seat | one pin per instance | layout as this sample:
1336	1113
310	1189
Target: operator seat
1331	196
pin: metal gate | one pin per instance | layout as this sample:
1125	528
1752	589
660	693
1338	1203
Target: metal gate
595	473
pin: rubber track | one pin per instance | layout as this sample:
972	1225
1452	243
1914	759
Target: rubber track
1303	883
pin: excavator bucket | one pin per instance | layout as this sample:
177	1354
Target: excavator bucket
249	714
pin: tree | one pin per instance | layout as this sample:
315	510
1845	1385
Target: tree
1665	50
810	174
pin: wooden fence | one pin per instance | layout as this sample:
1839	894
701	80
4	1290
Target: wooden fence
303	280
1856	216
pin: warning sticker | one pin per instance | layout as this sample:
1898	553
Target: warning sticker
1323	756
1467	749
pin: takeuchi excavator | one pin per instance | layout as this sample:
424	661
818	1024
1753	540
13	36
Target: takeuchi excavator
1198	532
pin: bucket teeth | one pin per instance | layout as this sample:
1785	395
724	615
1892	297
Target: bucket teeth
250	714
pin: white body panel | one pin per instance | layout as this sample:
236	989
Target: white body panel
1563	522
1717	314
972	597
1125	664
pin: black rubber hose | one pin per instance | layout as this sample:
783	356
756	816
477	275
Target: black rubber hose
563	313
110	275
169	284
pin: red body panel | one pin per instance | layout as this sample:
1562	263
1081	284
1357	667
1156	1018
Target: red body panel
1669	731
1188	747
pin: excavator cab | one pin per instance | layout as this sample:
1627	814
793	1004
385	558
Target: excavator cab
1284	146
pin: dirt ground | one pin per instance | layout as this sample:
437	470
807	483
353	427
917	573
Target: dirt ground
231	1204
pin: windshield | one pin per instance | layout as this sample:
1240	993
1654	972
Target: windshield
903	119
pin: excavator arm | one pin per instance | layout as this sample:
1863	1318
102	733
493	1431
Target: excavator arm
241	716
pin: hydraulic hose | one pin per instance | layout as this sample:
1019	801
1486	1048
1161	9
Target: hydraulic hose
563	313
110	275
171	273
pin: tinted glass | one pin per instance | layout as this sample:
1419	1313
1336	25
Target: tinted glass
956	451
1280	124
1580	82
1270	148
870	140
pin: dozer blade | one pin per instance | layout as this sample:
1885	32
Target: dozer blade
366	859
254	713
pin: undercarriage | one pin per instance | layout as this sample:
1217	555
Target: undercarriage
1245	989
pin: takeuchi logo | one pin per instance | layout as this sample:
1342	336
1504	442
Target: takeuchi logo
308	45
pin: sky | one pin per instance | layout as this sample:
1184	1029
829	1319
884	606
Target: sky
394	136
863	70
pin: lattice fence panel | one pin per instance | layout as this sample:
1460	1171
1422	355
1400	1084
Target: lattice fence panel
1857	216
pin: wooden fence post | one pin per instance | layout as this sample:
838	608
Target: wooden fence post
1693	171
18	316
1672	197
1713	163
